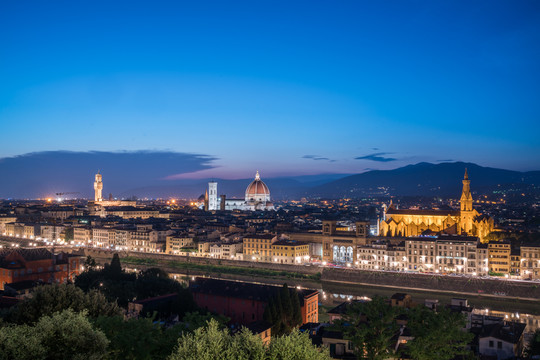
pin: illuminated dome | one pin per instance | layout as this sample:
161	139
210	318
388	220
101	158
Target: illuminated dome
257	190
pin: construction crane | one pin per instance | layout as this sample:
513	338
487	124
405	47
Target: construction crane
60	194
67	193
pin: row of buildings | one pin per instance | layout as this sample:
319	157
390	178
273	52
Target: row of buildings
452	254
440	253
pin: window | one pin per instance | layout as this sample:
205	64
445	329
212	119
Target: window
499	344
491	343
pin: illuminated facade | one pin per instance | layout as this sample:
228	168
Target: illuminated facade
257	197
410	222
442	254
290	252
333	245
258	247
99	203
98	188
499	257
530	261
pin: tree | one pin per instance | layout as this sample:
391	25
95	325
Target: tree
534	345
437	335
286	301
194	320
297	310
123	287
90	263
137	339
370	327
206	343
49	299
269	314
68	234
213	343
114	269
62	336
283	311
295	346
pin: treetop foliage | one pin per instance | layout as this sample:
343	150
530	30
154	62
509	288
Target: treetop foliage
49	299
64	335
284	311
212	343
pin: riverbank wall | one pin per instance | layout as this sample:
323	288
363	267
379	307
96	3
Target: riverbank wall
429	282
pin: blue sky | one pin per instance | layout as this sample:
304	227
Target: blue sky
286	87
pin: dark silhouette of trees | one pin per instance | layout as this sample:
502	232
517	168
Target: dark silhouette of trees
372	328
49	299
123	287
64	335
283	311
437	335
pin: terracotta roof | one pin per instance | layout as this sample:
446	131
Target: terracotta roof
392	211
28	254
257	187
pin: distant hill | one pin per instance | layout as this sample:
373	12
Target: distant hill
280	188
423	179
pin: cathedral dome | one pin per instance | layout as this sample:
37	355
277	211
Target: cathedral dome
257	190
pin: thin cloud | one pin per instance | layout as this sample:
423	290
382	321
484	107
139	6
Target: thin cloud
447	160
376	157
317	158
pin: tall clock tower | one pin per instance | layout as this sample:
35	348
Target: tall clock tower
98	187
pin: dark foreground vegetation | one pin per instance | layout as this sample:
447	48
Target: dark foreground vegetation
90	320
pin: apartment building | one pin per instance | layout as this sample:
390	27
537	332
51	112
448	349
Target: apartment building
290	252
174	244
499	257
258	247
382	256
530	261
439	254
100	237
82	235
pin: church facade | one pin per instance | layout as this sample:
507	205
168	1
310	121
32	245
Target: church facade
411	222
257	197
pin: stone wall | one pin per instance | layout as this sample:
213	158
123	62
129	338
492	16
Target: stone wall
497	287
163	258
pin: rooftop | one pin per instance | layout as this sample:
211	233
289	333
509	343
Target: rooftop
241	290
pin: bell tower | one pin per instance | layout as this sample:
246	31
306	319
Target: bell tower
466	205
98	187
212	196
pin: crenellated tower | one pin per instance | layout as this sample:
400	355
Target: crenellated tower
98	188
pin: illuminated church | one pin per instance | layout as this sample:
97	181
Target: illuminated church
257	197
410	222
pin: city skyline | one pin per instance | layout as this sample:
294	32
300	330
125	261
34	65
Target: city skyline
291	89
